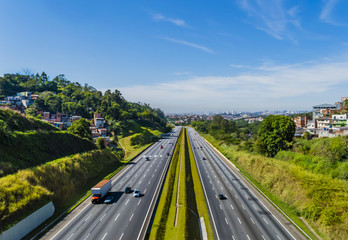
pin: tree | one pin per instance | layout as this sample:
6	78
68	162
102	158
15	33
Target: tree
100	143
81	128
275	134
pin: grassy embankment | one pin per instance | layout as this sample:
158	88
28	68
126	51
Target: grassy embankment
28	142
191	198
63	181
320	199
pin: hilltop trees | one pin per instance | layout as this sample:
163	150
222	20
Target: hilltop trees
275	133
72	98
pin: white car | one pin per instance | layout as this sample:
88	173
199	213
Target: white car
136	193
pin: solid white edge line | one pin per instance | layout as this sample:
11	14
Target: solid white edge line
167	165
269	200
70	221
206	197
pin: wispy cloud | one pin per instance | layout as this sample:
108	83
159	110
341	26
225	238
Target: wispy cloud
177	22
271	17
326	13
193	45
297	86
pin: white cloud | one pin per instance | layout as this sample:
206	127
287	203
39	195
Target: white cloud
273	87
326	13
193	45
177	22
271	17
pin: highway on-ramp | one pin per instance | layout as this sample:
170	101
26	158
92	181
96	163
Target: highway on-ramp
241	215
127	217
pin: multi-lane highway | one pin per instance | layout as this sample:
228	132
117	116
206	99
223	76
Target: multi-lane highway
241	215
127	217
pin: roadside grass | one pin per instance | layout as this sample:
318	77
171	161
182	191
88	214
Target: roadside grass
162	215
131	151
319	199
199	194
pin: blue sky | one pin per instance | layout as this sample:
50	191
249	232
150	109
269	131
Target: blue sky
186	56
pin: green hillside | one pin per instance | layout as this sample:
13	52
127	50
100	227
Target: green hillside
27	142
62	181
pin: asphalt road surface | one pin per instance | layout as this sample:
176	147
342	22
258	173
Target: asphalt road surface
241	215
127	217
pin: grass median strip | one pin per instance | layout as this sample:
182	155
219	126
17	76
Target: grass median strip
191	202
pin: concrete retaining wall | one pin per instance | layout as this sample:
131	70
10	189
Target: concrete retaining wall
28	224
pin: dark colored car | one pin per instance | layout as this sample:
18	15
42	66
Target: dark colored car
147	159
203	158
222	197
167	154
128	190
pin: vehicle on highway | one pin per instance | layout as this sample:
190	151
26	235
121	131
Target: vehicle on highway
203	158
147	159
128	190
136	193
222	197
167	154
109	199
100	190
161	146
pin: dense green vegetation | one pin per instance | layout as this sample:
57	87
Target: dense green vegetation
27	142
13	121
275	133
60	180
64	96
327	156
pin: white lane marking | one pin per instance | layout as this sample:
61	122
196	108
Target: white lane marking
126	202
213	188
149	183
70	221
265	220
233	237
104	236
246	196
88	217
139	201
121	236
226	221
220	206
218	181
161	156
131	217
140	181
243	207
117	217
222	188
153	175
254	206
230	188
236	196
263	237
87	236
70	236
279	237
239	221
156	170
232	207
210	182
252	220
214	175
248	237
145	191
102	217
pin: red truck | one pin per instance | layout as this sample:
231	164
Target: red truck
100	190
